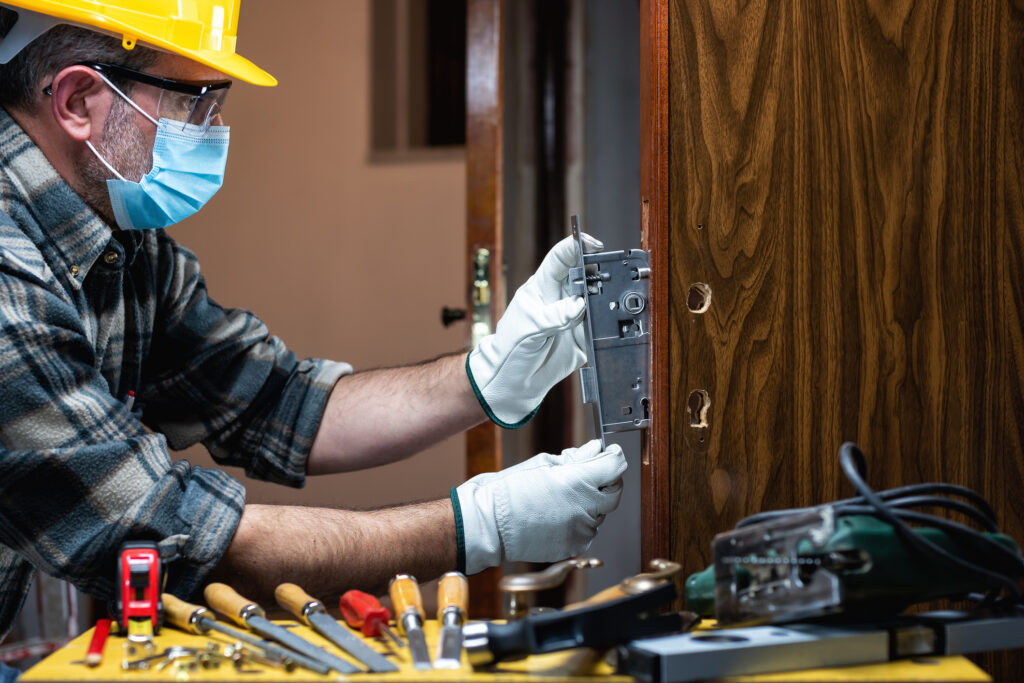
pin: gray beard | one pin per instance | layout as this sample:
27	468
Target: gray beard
125	148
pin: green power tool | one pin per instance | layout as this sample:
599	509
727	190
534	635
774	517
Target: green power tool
857	559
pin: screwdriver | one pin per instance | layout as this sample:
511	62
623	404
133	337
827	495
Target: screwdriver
364	612
408	604
197	619
452	605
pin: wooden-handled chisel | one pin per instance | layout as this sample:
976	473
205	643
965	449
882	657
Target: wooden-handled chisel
452	605
244	612
312	613
197	619
408	604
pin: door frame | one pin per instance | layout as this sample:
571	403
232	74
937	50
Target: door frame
484	155
654	192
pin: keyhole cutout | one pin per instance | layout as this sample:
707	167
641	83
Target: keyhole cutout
697	406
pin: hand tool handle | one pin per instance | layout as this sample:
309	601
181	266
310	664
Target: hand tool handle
452	592
180	613
227	601
405	598
363	611
94	655
296	601
596	626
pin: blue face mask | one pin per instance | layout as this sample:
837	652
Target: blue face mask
188	169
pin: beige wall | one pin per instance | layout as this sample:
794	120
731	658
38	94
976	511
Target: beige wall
342	258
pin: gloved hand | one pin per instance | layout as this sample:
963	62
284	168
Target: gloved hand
545	509
534	345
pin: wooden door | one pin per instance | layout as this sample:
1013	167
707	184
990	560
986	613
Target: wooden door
844	179
483	233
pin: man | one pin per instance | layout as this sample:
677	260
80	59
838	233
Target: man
111	352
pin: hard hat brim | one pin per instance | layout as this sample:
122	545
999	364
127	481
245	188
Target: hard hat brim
233	65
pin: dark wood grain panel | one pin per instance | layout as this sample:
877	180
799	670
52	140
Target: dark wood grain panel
730	192
846	177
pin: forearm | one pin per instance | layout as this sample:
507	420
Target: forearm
329	551
380	416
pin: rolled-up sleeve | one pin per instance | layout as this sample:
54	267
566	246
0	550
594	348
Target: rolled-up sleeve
218	376
79	474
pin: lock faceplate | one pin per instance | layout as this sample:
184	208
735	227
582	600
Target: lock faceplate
616	379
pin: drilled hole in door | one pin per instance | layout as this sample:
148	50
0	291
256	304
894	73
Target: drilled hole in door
698	299
697	406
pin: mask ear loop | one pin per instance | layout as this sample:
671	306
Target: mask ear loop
127	99
88	143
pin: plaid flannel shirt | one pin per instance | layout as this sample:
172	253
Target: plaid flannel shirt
87	314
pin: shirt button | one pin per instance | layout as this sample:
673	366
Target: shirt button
74	271
111	257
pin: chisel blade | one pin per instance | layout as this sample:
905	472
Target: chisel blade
269	629
339	635
449	648
282	654
418	649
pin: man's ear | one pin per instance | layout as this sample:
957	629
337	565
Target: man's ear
80	101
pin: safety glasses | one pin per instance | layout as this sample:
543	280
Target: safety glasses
191	102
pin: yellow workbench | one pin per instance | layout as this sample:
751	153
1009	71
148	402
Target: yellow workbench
61	666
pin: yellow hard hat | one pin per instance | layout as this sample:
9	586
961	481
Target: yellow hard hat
202	30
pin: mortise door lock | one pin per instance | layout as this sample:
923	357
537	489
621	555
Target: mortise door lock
616	379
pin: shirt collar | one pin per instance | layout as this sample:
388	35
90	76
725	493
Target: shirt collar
75	231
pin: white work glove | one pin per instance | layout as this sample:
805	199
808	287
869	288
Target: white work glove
534	345
545	509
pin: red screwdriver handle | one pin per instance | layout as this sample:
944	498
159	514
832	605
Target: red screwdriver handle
363	611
